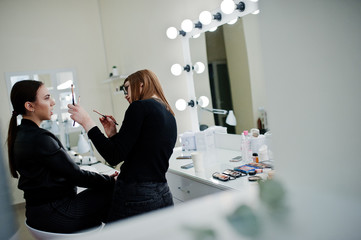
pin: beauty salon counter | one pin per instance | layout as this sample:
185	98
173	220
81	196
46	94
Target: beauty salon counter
212	201
187	184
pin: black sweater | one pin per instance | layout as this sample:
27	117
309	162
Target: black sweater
47	172
144	142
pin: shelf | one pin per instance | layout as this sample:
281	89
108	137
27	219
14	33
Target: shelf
114	78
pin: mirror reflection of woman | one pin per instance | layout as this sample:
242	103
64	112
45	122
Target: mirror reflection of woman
47	174
144	143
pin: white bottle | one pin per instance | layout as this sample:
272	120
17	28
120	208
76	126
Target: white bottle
246	147
115	71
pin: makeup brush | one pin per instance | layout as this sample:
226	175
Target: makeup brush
105	116
72	98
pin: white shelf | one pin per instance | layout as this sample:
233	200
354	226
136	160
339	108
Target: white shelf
114	78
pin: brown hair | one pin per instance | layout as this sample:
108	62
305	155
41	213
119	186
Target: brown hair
22	92
151	86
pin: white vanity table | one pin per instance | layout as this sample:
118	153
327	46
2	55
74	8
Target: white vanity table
186	184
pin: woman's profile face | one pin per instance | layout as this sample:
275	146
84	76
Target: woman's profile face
44	103
128	91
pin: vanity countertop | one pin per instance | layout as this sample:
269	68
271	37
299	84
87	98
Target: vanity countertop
215	160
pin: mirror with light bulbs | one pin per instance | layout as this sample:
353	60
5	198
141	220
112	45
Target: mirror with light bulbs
210	84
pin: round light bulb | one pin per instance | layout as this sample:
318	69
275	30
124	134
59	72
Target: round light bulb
203	101
232	21
181	104
228	6
172	33
187	25
199	67
213	29
197	35
176	69
205	17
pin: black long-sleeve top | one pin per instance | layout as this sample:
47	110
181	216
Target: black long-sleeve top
144	142
47	173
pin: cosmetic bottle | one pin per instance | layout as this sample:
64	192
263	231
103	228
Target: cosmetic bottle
245	149
255	158
115	71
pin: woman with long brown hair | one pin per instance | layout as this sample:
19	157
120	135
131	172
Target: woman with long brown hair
47	174
144	143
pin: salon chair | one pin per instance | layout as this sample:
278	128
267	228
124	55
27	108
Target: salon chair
42	235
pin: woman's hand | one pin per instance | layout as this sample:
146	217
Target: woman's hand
78	114
115	175
108	123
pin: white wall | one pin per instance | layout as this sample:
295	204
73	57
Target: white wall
312	55
135	38
41	35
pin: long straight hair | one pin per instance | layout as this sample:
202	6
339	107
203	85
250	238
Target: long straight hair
22	92
151	86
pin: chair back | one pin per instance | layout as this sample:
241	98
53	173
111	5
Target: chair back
42	235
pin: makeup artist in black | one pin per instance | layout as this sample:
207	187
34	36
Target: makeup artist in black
144	143
48	176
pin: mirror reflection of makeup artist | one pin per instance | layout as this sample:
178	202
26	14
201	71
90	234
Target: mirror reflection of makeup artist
144	143
48	176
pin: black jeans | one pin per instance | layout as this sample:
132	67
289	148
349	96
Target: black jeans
130	199
85	210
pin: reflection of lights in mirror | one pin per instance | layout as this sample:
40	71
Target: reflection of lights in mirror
213	29
65	85
203	101
199	67
210	21
232	21
197	35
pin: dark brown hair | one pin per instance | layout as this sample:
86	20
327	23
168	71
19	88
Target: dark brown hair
22	92
151	86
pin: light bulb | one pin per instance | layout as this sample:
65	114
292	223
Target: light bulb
199	67
203	101
256	12
213	29
197	35
172	33
228	6
181	104
232	21
176	69
187	25
205	17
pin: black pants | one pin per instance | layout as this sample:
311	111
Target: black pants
87	209
130	199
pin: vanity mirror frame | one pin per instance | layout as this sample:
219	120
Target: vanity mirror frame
250	7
